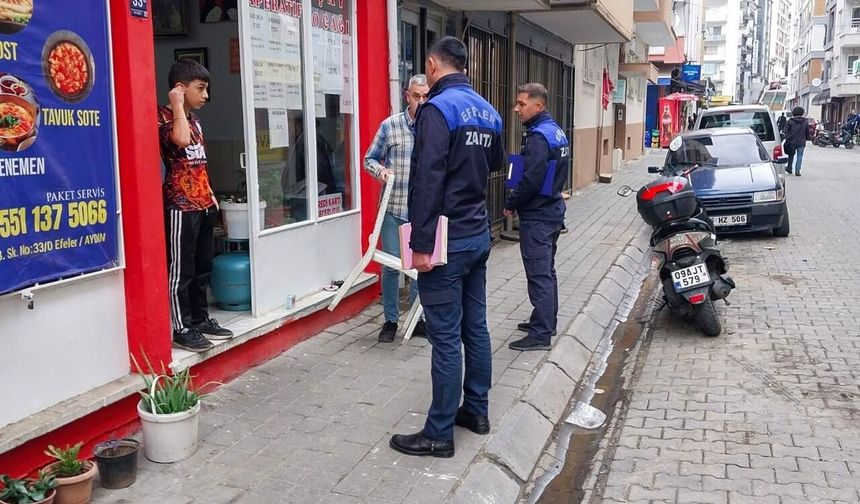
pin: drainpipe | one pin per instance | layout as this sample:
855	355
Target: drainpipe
393	57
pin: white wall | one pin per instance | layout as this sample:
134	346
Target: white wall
732	31
73	341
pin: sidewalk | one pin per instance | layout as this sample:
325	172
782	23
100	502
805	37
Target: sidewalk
313	424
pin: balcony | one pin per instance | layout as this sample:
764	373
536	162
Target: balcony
845	85
577	21
654	26
849	36
715	38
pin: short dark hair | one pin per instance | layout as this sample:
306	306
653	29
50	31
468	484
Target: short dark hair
797	111
186	71
535	90
451	52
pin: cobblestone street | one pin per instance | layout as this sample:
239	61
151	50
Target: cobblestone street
313	424
769	411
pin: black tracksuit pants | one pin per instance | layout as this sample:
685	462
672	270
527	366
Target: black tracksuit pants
190	247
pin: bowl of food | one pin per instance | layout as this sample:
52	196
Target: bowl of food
68	67
15	15
18	122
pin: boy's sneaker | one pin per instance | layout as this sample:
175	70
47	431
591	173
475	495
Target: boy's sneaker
210	327
190	339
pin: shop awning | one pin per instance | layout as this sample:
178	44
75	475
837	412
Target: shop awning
681	97
821	98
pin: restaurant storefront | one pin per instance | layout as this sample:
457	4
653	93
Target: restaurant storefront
83	272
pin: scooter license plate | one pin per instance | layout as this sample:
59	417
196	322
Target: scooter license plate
690	277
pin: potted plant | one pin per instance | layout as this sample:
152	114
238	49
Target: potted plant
74	477
28	491
168	411
117	461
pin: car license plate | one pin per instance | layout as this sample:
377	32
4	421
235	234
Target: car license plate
690	277
729	220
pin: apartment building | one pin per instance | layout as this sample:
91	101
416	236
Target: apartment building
809	39
841	69
732	54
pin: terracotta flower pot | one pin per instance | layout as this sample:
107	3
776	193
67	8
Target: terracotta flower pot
47	500
76	489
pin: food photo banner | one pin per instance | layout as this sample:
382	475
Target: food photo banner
58	202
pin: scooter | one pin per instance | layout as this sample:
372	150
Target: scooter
844	137
692	270
822	137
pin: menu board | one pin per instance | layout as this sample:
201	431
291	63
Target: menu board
332	54
275	39
58	202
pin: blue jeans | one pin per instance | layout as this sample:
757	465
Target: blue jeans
797	158
538	246
454	297
391	277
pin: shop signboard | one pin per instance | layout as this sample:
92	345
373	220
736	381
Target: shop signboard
330	204
58	197
691	73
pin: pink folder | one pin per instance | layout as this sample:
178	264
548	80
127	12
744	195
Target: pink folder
439	256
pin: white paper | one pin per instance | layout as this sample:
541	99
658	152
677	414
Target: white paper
319	97
279	135
292	40
333	68
347	100
261	90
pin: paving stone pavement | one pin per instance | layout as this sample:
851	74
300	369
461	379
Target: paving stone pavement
313	424
769	412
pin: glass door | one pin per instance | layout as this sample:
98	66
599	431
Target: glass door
298	108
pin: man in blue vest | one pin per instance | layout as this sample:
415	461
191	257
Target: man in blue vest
457	143
545	157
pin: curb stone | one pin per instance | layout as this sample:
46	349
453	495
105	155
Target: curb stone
499	473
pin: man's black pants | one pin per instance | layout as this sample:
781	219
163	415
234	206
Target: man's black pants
538	245
190	247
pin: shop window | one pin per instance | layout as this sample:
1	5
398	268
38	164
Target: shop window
278	65
281	120
334	75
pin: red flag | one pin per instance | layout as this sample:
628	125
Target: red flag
608	88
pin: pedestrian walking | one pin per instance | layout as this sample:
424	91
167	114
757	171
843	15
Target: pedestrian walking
796	135
390	154
457	143
191	211
537	199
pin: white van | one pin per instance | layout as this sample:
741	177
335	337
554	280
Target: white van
758	118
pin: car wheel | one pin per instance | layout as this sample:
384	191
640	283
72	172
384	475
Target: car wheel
783	230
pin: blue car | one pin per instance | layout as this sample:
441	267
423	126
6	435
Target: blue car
739	185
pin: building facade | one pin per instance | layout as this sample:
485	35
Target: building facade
811	46
286	77
841	69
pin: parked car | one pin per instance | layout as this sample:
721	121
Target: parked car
737	182
758	118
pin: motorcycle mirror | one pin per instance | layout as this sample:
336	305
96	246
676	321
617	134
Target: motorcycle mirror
624	191
653	169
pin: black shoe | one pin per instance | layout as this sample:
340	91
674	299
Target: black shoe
210	327
797	174
788	170
191	340
388	332
420	446
475	423
529	344
420	330
525	326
